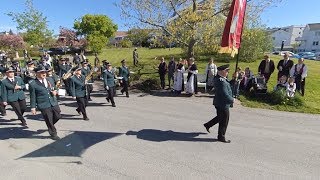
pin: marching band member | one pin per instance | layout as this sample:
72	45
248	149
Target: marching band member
85	71
79	92
13	94
108	78
29	73
43	96
125	74
52	76
16	68
2	106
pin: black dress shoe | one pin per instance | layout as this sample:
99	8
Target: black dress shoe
127	96
122	92
108	100
78	111
24	124
55	137
86	118
224	140
89	99
113	105
207	128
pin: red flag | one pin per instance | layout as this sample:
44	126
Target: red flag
231	38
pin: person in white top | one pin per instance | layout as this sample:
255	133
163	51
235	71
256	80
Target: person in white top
290	87
210	73
299	73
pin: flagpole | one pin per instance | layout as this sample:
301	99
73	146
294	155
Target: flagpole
238	56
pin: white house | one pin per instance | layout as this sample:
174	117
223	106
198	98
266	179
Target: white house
310	40
287	34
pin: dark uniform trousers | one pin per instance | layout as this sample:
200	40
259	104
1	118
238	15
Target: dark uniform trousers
300	84
163	80
125	85
82	104
19	108
111	93
3	109
51	116
223	119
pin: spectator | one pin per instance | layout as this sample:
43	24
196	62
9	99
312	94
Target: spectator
162	69
281	83
171	70
235	82
135	57
246	82
192	80
290	87
284	66
210	73
178	78
266	67
299	73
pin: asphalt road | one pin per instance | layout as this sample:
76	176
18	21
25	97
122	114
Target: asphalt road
154	137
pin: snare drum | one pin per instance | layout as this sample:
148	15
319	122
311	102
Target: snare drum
62	92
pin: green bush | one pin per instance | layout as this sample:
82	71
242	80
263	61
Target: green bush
126	43
279	97
147	85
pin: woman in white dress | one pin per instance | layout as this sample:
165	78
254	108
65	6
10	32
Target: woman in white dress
210	73
192	81
178	86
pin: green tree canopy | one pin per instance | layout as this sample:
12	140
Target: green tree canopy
33	24
97	29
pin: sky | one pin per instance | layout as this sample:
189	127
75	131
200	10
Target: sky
64	12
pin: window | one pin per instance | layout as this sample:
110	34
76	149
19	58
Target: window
315	43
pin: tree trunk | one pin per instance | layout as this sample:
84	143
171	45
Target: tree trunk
191	44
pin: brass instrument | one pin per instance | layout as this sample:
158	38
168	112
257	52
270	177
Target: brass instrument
88	77
68	74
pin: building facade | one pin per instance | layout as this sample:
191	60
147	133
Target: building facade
287	35
310	40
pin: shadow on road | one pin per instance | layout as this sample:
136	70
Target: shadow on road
168	93
74	144
160	136
38	117
20	133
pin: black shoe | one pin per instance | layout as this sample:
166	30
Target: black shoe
108	100
24	124
122	92
224	140
3	114
127	95
207	128
86	118
113	105
55	137
79	112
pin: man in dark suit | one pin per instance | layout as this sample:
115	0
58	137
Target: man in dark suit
2	106
222	101
79	92
266	67
13	94
284	66
108	78
125	74
43	96
162	69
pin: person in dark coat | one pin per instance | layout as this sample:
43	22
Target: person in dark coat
2	106
171	70
55	79
13	94
266	67
222	101
108	78
162	69
192	78
79	91
43	96
125	74
284	66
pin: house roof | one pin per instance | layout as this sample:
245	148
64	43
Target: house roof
121	34
314	26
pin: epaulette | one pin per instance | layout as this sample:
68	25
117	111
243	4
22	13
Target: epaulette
221	79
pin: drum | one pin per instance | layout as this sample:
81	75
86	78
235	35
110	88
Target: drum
62	92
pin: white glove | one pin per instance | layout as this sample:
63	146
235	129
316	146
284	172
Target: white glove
107	87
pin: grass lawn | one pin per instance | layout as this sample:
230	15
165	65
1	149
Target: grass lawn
147	60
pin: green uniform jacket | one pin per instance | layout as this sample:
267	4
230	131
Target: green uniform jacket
78	88
108	78
124	72
54	79
41	96
8	92
1	91
223	97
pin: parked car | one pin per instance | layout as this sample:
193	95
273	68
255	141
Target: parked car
309	55
291	54
317	54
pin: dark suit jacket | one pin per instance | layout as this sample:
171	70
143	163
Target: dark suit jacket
108	78
124	72
223	97
285	67
41	96
9	94
78	88
262	66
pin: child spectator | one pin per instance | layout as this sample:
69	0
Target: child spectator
291	87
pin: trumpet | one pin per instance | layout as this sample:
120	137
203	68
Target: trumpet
68	74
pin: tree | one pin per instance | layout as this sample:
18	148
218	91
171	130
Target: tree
96	29
11	42
139	37
187	22
33	24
